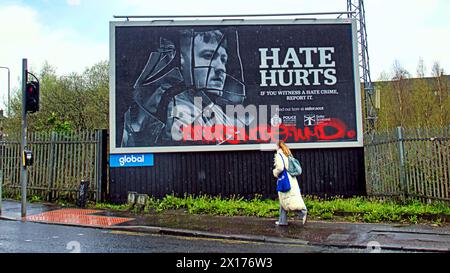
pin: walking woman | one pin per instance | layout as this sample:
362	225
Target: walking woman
291	200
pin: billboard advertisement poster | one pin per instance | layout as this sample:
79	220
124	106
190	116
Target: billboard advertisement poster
243	85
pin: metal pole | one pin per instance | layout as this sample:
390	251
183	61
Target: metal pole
23	169
98	165
51	171
401	148
9	89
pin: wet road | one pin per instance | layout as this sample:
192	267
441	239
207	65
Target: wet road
28	237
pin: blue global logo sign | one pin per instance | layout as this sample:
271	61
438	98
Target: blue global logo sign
130	160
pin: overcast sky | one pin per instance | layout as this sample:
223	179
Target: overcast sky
74	34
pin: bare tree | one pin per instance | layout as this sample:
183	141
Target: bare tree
441	91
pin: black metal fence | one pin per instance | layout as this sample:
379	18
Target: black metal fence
61	161
409	163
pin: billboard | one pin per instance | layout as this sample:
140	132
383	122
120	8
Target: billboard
178	86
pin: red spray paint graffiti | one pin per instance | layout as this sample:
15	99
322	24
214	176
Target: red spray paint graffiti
331	130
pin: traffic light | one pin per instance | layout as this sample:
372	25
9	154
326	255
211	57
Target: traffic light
32	97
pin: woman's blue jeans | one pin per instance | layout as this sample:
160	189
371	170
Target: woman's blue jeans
283	215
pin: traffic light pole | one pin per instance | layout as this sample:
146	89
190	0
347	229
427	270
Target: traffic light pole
23	169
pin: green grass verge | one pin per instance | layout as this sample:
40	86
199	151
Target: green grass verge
357	209
360	209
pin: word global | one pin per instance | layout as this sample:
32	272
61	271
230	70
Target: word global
131	159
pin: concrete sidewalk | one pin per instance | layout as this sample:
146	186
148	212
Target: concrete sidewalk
374	237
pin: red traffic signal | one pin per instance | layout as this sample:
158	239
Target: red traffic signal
32	97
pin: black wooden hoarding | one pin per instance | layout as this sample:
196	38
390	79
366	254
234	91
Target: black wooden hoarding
330	172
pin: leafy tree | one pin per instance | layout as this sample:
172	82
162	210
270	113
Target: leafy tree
72	102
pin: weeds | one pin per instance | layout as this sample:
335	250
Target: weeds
35	199
121	207
361	209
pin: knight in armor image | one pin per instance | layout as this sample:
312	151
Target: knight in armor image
183	83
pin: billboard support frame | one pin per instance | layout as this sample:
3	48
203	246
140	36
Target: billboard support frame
128	17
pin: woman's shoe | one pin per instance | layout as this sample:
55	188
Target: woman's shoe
304	219
278	224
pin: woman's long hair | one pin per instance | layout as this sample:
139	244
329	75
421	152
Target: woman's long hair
284	148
